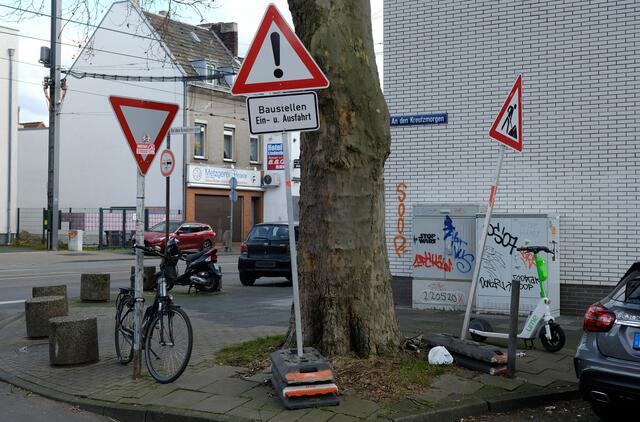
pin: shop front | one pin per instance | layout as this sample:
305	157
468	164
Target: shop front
208	199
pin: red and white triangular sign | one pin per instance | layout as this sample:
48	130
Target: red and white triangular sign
508	125
277	60
144	124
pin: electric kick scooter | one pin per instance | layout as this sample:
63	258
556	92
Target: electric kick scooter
540	323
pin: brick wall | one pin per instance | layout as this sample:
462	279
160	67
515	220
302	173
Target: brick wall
581	104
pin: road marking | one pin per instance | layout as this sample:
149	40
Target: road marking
11	302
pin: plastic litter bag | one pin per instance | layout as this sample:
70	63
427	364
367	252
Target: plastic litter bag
439	355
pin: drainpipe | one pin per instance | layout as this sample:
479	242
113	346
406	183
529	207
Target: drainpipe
11	52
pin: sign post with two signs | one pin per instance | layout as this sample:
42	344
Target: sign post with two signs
144	125
506	129
277	61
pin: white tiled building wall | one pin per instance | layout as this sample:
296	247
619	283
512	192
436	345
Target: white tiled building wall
580	67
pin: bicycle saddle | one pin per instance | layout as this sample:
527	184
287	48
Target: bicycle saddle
535	249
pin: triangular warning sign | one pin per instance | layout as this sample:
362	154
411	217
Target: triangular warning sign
277	60
144	124
507	127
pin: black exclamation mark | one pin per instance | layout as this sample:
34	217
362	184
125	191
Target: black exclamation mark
275	46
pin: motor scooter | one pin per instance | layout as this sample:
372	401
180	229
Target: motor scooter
202	272
539	323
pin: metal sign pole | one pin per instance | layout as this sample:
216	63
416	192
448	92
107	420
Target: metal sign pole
483	241
292	240
231	228
137	315
168	191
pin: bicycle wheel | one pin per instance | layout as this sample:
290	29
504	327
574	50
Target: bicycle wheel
168	344
124	330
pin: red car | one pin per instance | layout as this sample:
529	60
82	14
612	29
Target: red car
192	235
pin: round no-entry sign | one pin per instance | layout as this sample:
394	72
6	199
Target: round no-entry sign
167	162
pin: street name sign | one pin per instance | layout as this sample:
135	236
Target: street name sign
144	124
185	130
277	60
167	162
507	128
296	112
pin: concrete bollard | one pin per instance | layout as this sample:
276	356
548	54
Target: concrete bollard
73	340
39	310
149	277
60	290
95	287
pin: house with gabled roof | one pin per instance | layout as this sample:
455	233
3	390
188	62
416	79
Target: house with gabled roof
138	54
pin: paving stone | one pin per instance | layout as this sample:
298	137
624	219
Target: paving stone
229	386
219	404
317	415
194	382
535	379
342	418
455	384
184	399
218	372
432	395
249	413
291	415
535	367
353	406
568	376
502	382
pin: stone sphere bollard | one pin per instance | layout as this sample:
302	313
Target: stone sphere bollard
72	340
149	277
95	287
51	291
39	310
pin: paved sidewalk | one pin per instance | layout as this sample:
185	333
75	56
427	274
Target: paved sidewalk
210	392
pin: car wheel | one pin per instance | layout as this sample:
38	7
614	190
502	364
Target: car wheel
206	245
480	325
557	340
246	279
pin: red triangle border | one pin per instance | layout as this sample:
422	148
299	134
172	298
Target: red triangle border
493	132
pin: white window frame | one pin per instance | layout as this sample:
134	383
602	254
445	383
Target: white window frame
210	69
258	138
232	130
204	141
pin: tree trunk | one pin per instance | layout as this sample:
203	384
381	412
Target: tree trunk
345	284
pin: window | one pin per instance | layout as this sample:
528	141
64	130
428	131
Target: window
211	72
254	153
228	143
200	141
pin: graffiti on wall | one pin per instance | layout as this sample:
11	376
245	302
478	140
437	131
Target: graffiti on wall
458	246
433	260
437	292
503	237
400	240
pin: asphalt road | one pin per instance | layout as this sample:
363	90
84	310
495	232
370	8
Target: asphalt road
569	411
19	405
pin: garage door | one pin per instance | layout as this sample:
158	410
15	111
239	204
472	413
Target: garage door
215	211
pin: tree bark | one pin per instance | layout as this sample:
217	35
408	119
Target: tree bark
345	283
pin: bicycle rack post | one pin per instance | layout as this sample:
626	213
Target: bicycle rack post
513	328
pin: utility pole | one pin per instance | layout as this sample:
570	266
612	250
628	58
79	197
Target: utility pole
54	125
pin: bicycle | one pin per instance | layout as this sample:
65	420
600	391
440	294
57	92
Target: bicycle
162	326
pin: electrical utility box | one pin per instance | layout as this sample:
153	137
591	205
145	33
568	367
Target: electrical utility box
444	245
503	263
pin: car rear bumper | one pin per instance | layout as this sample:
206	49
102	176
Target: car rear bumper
267	266
606	379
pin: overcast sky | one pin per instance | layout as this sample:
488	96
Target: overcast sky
30	74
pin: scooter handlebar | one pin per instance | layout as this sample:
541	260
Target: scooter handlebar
535	249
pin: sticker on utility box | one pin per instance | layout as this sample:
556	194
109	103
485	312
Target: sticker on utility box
283	113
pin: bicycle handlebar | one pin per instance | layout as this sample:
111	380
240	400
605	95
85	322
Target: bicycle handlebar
535	249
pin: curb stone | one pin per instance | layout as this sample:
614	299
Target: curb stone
121	412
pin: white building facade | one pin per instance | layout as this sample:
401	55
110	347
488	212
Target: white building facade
580	103
8	133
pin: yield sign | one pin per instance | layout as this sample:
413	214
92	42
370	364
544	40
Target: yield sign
144	124
277	60
508	125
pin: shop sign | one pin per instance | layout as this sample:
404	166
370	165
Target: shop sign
208	175
275	157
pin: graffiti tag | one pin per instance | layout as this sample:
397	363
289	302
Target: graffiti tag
429	238
433	260
503	237
528	259
464	259
399	240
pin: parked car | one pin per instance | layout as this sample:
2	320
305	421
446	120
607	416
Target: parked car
607	360
265	253
192	235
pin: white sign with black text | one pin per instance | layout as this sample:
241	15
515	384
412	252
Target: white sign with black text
283	113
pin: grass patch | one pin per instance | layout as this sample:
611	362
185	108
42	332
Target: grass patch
252	354
386	378
30	241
